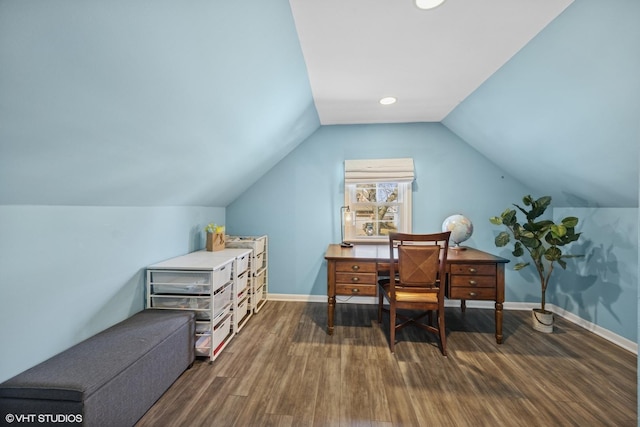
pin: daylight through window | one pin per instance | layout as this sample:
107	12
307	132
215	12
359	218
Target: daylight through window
378	193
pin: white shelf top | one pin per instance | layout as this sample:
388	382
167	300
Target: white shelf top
200	260
227	252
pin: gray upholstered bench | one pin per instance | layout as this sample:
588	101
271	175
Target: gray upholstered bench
110	379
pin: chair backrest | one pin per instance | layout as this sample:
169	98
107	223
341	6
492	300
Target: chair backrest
419	260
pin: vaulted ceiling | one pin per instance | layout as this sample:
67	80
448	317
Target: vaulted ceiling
121	103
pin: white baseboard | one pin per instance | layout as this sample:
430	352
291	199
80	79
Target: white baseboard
591	327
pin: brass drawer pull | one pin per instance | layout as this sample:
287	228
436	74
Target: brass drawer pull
473	294
355	279
355	290
355	267
473	282
473	270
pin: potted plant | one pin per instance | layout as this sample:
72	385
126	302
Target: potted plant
542	240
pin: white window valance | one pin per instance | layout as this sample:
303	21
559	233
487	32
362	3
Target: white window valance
378	170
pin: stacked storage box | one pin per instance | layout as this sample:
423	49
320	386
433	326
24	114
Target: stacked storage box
241	273
200	282
259	281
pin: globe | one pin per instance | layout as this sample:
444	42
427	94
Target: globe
460	227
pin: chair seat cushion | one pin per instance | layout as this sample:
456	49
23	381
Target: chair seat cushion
409	295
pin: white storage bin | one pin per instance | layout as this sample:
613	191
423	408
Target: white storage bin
255	243
242	282
163	282
203	327
220	332
259	262
258	295
203	344
194	303
243	308
222	275
222	299
261	279
242	263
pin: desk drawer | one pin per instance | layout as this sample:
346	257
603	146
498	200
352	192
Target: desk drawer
473	269
356	278
472	293
356	267
472	281
355	289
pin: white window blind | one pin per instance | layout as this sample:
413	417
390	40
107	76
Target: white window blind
378	170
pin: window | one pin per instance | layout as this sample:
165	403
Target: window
378	193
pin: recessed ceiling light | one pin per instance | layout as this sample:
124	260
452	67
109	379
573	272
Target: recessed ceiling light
388	100
428	4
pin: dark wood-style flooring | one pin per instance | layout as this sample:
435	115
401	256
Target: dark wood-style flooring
284	370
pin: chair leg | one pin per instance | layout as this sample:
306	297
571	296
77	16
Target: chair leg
392	327
441	329
380	301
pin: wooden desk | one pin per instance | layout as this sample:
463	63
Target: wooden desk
471	275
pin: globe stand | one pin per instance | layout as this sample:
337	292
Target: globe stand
457	247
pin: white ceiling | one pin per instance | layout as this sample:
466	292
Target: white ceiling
358	51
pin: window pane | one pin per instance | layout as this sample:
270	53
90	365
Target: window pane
387	192
365	193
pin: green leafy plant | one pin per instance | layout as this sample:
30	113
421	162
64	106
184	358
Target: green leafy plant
213	228
541	239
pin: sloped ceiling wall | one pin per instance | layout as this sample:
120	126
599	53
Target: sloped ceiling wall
189	103
563	115
147	102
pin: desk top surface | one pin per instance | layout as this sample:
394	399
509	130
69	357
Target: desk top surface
374	252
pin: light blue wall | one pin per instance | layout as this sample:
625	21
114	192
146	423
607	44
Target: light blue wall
297	203
69	272
602	287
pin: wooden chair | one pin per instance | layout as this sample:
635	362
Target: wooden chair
417	264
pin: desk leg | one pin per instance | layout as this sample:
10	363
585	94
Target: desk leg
499	300
331	294
499	323
463	305
330	314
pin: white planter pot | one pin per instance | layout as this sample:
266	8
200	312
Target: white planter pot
542	320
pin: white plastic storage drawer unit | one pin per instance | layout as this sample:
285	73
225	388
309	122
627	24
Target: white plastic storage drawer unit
259	266
241	279
201	282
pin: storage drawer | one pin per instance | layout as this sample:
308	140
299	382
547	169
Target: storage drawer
191	303
258	295
472	269
243	308
260	279
255	243
168	282
472	293
203	327
356	278
259	260
356	267
242	264
242	282
473	281
355	289
207	341
222	275
220	332
222	298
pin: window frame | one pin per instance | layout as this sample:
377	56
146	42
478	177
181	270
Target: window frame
405	202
